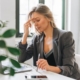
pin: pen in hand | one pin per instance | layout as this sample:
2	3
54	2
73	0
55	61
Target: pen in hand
38	58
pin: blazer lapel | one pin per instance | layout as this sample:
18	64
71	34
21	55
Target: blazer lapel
40	46
55	45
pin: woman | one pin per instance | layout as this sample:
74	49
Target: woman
56	47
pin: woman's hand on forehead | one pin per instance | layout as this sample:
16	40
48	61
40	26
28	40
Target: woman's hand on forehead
32	20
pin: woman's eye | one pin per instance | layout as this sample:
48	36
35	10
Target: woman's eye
37	20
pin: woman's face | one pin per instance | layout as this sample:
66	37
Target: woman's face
40	22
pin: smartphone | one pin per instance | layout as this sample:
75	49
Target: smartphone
36	77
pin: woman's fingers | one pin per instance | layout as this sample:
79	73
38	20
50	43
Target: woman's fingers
43	66
27	25
29	22
42	63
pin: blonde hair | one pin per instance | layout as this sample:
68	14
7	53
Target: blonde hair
44	10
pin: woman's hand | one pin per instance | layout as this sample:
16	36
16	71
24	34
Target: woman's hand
43	64
26	27
26	31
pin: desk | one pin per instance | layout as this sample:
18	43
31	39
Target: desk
21	76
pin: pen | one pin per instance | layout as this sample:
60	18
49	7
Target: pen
38	58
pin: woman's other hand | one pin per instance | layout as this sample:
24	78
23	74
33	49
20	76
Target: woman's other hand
43	64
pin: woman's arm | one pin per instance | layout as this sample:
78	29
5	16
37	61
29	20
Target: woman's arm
26	52
68	56
54	69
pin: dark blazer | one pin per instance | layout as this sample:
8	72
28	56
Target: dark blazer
63	49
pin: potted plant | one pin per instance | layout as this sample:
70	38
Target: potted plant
11	50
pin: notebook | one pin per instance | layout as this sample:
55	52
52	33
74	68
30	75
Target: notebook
23	68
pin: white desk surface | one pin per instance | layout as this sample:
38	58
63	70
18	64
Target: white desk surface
21	76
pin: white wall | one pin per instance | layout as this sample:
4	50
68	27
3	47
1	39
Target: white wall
7	12
73	20
0	10
79	36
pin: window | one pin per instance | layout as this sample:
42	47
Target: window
24	6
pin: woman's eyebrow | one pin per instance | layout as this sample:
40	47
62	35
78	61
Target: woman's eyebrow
36	18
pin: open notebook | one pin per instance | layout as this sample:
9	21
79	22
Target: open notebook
20	70
24	68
